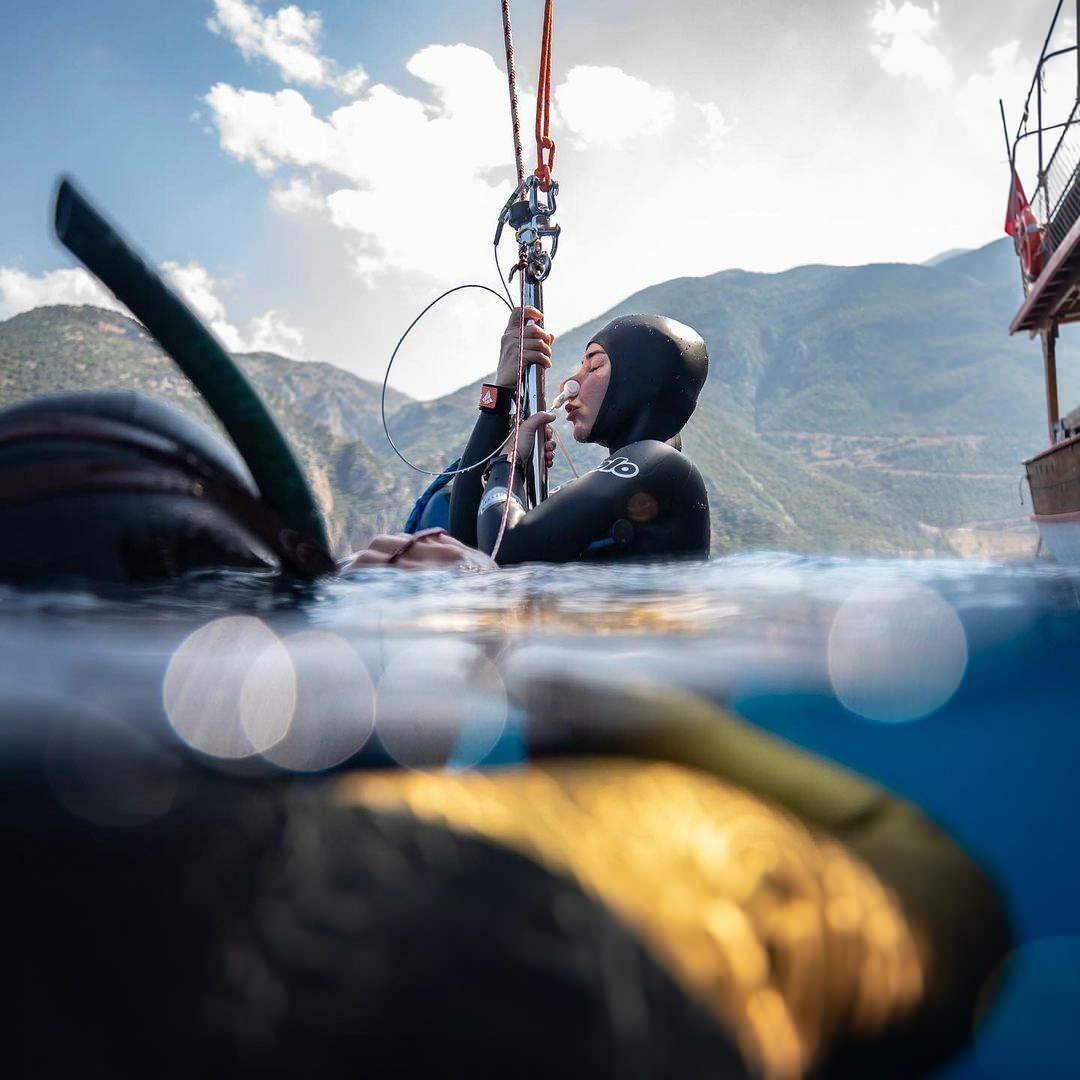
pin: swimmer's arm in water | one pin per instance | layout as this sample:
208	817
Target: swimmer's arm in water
562	527
432	549
493	425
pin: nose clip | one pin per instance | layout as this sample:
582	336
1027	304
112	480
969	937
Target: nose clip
570	389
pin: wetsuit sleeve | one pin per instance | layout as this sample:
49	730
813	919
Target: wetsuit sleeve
562	527
489	433
497	489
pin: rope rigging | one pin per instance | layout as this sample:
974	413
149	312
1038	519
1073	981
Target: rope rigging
544	141
529	215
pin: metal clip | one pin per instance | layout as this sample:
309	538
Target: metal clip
533	188
512	212
528	212
539	264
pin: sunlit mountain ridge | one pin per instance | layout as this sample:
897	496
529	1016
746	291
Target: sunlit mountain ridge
878	408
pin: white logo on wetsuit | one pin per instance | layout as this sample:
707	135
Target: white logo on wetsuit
618	466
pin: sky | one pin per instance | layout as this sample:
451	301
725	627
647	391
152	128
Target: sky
310	177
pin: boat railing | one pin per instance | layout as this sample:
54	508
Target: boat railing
1055	198
1060	181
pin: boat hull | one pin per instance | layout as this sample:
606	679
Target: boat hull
1060	536
1054	479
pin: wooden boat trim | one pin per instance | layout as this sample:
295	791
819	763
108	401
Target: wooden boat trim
1050	449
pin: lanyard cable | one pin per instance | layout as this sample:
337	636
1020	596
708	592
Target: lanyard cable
386	379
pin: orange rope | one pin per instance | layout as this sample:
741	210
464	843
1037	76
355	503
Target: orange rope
544	141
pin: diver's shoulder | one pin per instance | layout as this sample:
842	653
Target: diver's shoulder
659	454
661	461
648	450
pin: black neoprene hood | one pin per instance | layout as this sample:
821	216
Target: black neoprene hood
658	367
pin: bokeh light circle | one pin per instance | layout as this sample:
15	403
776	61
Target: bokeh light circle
440	703
106	771
896	651
335	702
230	688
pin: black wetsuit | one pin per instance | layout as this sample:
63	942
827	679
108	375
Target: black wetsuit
646	499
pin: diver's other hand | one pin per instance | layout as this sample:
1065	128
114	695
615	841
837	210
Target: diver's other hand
527	437
429	549
538	344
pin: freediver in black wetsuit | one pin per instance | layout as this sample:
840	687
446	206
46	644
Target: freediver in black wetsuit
639	384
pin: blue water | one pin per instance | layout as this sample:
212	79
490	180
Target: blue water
954	683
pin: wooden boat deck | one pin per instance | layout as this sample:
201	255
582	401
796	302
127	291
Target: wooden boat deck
1055	296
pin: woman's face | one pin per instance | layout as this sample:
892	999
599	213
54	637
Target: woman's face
593	377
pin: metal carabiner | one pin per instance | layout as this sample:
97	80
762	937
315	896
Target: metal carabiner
534	186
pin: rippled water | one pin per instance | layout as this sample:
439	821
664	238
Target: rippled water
954	683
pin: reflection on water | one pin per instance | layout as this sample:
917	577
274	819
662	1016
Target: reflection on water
951	682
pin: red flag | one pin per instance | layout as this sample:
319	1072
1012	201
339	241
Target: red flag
1017	204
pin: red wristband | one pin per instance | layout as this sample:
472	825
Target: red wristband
492	397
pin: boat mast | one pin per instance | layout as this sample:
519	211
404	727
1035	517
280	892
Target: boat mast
1049	339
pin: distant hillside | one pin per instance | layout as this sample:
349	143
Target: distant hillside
879	408
943	256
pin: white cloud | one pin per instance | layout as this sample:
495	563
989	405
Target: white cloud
716	124
268	129
289	39
604	106
375	164
298	196
903	43
21	292
413	184
351	82
1006	76
384	157
197	287
270	333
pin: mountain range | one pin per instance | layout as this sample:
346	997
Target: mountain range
879	408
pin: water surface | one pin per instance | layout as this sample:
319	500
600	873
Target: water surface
951	682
